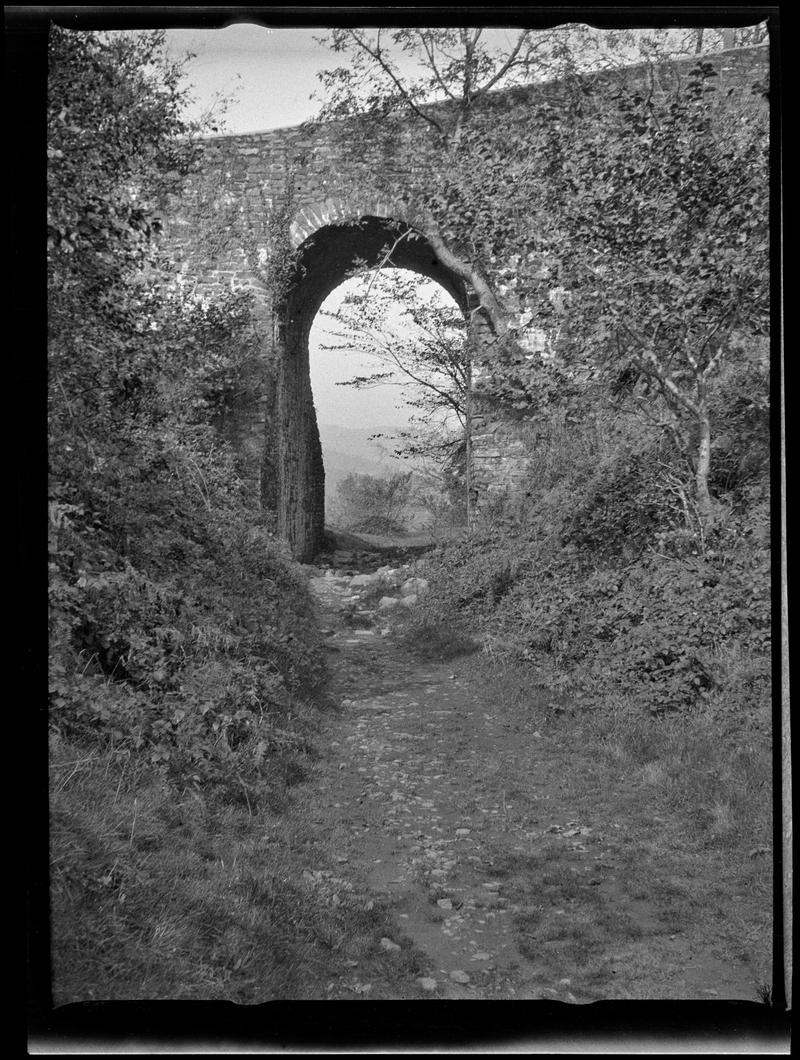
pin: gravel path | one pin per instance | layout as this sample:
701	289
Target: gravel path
407	775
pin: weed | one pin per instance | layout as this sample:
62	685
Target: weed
764	993
437	640
164	895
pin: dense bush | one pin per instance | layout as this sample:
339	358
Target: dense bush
180	631
603	582
197	671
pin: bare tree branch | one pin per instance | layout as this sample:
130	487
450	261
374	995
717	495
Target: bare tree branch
377	55
506	65
431	56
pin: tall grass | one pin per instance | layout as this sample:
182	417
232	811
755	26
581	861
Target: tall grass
162	895
716	776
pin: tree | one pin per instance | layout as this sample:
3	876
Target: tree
466	190
452	194
625	228
423	352
665	216
374	505
116	148
142	374
176	624
129	349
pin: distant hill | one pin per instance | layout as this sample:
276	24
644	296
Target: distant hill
356	440
348	451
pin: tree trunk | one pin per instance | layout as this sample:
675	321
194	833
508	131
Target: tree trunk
465	271
705	503
468	442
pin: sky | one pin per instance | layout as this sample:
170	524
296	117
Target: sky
380	406
271	71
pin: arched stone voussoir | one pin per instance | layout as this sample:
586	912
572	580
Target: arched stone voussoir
339	210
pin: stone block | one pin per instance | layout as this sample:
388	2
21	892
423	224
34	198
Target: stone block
361	581
414	587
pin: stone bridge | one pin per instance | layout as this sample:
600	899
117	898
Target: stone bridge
293	184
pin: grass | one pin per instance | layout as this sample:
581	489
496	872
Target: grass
160	894
156	895
670	888
719	782
437	641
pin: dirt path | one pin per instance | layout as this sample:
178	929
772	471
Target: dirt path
414	821
484	836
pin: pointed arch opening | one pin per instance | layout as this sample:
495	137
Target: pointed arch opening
325	260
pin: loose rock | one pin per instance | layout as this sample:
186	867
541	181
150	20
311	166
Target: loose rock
414	586
363	580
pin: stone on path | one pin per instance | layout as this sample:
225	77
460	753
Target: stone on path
428	984
386	603
459	977
414	586
445	903
389	946
361	580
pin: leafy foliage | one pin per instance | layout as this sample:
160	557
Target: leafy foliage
601	583
171	638
613	231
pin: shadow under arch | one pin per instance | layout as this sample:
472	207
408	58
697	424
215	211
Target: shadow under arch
296	487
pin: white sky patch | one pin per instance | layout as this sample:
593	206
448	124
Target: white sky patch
379	406
272	71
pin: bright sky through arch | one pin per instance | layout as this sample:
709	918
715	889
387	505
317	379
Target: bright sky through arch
380	406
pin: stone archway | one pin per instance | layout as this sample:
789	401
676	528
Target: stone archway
312	166
325	259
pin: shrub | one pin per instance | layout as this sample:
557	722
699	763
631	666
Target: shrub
373	505
602	583
195	671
